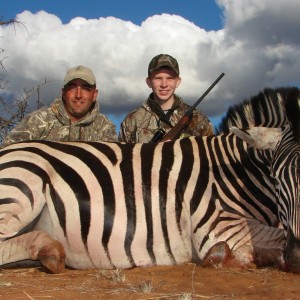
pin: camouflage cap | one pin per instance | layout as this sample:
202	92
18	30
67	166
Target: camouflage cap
80	72
163	60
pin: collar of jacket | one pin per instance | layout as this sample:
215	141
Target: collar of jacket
147	104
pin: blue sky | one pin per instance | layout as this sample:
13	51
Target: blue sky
254	42
205	13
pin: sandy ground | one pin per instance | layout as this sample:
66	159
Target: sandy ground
183	282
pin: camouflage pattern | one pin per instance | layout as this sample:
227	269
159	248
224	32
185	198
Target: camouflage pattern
140	125
163	60
53	124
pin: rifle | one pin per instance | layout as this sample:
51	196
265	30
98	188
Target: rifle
175	132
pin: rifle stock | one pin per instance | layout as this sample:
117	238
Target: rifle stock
176	131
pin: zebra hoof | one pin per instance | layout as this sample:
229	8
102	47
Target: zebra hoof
52	257
216	255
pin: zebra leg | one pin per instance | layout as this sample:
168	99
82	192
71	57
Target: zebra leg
245	256
35	245
221	255
247	244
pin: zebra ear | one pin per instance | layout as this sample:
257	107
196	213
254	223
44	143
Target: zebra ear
259	137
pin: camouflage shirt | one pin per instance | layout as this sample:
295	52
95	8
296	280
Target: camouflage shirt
52	123
140	125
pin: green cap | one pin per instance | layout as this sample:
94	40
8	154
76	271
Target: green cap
80	72
163	60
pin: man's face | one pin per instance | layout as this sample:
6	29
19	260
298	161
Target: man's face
163	83
78	97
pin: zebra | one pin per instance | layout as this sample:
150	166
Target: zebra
114	205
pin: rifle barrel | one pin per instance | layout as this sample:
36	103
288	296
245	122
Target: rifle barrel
206	92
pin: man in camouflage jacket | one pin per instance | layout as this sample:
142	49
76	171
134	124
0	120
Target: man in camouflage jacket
163	109
72	117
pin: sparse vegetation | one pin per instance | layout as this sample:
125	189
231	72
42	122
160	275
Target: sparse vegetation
185	296
184	282
145	286
114	275
13	113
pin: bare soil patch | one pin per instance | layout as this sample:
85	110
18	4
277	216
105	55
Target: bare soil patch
183	282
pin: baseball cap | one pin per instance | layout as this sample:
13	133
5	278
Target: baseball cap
80	72
163	60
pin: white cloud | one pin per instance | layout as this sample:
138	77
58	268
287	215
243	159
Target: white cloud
258	47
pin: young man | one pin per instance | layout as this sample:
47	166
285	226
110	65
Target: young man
163	108
72	117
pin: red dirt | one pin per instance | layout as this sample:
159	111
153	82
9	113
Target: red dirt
183	282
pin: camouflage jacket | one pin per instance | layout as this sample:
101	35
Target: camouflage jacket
140	125
52	123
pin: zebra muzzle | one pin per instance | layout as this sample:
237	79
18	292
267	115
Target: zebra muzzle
292	253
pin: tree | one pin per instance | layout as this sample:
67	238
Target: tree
12	114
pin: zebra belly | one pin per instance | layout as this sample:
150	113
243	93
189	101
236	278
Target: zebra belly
94	255
122	249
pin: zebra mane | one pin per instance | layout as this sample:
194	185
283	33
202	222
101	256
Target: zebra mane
269	108
292	107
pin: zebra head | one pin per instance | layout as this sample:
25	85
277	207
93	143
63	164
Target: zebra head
278	108
259	137
285	170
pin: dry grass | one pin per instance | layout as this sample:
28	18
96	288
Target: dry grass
114	275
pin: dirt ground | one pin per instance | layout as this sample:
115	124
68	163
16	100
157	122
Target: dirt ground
183	282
